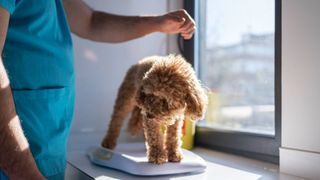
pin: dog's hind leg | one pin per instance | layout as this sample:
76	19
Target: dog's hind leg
135	124
123	106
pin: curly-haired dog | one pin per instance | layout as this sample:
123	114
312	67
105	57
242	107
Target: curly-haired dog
160	91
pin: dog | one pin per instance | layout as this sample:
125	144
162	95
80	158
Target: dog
160	91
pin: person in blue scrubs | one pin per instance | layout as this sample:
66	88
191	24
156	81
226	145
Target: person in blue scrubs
37	77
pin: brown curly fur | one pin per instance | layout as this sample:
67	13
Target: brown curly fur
167	89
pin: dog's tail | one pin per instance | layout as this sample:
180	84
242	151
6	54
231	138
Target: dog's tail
135	124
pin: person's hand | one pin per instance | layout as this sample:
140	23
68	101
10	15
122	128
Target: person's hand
177	22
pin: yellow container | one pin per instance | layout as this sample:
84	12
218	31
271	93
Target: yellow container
188	131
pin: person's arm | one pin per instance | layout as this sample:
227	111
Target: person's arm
104	27
16	159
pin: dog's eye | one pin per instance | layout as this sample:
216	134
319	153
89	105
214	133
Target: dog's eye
150	117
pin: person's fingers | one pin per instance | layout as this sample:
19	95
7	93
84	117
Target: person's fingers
175	18
191	30
178	22
187	29
186	36
189	34
185	26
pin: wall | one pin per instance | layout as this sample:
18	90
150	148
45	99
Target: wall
300	152
101	67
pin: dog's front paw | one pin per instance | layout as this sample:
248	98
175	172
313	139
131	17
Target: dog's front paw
109	143
175	156
157	156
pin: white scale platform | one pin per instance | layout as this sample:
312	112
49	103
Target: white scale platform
131	158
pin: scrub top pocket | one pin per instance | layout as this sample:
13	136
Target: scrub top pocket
44	121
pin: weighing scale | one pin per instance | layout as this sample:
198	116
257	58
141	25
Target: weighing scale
132	158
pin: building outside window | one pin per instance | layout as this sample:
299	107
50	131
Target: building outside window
236	53
240	78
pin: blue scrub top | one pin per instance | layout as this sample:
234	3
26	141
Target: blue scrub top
39	59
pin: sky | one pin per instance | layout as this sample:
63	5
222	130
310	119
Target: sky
227	20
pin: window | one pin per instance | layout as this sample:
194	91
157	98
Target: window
236	54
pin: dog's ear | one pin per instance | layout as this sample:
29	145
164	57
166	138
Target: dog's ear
197	101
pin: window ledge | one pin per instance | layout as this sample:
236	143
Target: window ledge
219	165
227	166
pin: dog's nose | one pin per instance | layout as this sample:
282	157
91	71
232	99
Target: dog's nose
150	117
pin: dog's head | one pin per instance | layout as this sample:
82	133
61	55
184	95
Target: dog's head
170	89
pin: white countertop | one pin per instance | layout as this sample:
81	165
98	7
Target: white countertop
220	166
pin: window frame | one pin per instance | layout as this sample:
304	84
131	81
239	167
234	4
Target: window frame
256	146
